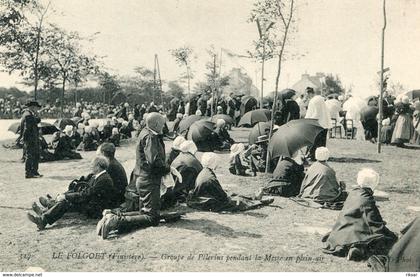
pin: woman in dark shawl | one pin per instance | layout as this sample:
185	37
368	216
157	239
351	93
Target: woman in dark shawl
208	194
360	231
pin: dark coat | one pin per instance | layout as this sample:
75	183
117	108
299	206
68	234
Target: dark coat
359	223
65	148
189	167
29	128
88	143
99	194
208	195
118	175
172	156
287	178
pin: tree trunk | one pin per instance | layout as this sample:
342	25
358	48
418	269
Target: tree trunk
188	78
262	77
62	97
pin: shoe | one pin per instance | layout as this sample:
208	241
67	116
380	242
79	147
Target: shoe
110	224
37	209
37	175
355	254
46	201
100	224
29	176
267	201
38	220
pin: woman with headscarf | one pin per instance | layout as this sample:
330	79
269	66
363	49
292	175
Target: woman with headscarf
208	194
320	184
115	137
239	162
318	110
404	126
360	231
175	149
223	141
189	167
89	143
65	148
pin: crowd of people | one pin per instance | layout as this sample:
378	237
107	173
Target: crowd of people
160	180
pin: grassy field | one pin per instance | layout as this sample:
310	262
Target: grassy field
280	237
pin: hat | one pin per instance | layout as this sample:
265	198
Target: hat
126	105
115	131
198	112
405	99
179	115
209	159
32	103
322	154
236	148
125	123
177	142
155	122
220	123
68	128
262	138
78	105
367	178
188	146
340	98
80	126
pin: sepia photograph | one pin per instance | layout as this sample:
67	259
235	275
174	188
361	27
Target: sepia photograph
209	136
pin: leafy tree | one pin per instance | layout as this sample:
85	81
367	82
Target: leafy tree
21	40
175	90
183	56
66	62
109	84
332	85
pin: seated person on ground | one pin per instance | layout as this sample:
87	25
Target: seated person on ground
115	137
65	149
89	196
174	152
259	154
189	167
208	194
240	163
224	141
44	154
287	177
360	231
76	138
106	130
404	255
320	184
89	143
125	130
115	169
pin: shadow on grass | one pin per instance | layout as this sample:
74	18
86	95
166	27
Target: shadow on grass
62	178
400	190
211	228
352	160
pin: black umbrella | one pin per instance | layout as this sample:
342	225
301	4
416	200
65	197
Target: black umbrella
63	122
261	128
253	117
248	103
292	136
227	118
47	128
200	130
368	113
188	121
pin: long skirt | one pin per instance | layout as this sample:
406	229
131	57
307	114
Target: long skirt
403	129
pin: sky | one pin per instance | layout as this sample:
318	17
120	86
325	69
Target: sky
342	37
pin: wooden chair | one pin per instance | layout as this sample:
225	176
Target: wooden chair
349	129
334	128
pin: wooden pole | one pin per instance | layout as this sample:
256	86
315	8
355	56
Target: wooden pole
382	78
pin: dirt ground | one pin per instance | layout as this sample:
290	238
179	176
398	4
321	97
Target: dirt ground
280	237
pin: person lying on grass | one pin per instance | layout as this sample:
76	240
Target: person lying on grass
88	196
320	184
360	231
208	194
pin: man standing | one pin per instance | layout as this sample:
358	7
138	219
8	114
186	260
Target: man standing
30	133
